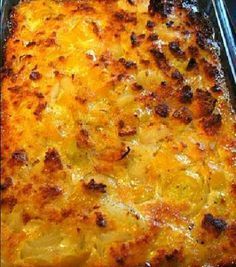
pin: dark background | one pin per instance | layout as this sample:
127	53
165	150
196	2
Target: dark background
231	9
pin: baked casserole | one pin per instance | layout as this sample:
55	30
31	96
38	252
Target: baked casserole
118	137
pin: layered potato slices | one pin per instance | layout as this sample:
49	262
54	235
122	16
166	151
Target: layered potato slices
118	137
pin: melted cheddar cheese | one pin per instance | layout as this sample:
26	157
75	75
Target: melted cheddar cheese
118	138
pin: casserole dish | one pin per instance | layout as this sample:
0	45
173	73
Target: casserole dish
217	15
118	138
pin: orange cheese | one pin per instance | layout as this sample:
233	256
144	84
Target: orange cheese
118	138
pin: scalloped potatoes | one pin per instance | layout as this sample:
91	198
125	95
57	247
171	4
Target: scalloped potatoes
118	138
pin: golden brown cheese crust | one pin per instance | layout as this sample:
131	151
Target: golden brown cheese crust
118	141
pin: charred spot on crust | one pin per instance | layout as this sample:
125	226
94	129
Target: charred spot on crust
175	49
150	24
82	139
231	233
49	191
8	202
96	187
214	225
167	258
6	184
121	77
19	157
194	17
82	7
186	94
39	95
81	100
61	58
26	218
149	99
162	7
211	124
172	256
162	110
163	84
49	42
204	30
120	261
227	264
183	114
201	40
13	23
15	89
233	189
121	124
125	130
216	88
35	75
30	44
169	23
201	22
132	2
193	51
145	62
212	71
136	39
25	57
52	160
192	64
206	102
65	213
39	109
5	72
58	74
176	75
126	17
105	59
153	37
96	29
137	87
100	220
125	153
160	59
128	64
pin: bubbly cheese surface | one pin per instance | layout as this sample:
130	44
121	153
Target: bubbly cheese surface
118	139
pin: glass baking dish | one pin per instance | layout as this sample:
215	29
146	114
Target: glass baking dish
216	11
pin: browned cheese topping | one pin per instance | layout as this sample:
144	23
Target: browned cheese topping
118	139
